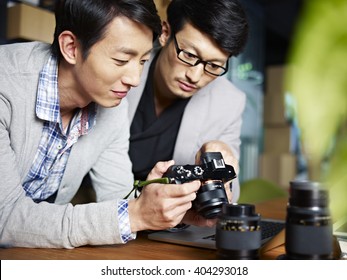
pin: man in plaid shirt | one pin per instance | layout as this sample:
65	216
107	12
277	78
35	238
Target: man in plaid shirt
62	115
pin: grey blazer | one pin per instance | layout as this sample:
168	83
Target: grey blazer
103	153
213	113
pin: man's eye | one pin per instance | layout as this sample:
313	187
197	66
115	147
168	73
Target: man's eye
213	66
120	62
189	56
143	61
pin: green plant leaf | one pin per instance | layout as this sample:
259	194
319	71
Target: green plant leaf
318	76
317	79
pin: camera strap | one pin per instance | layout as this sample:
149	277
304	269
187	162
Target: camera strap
139	184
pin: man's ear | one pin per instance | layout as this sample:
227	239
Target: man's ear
68	46
165	33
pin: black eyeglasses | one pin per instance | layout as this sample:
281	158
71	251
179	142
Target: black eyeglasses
193	60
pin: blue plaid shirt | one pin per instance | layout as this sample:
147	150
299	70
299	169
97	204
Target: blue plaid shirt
50	161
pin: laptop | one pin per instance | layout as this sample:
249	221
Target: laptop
204	237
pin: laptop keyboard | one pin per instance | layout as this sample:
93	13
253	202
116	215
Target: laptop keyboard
268	229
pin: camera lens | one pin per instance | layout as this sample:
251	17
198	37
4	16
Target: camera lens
238	232
308	224
211	195
209	198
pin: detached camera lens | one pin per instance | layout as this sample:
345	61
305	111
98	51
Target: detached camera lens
308	225
238	233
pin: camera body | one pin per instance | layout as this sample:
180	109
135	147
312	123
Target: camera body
213	173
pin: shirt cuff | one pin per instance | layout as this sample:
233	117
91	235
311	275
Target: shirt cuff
124	222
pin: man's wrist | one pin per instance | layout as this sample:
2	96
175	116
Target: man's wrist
124	221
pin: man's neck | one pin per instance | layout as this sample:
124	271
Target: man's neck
162	97
161	101
70	97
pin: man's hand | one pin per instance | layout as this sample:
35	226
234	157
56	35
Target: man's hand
193	218
219	146
161	206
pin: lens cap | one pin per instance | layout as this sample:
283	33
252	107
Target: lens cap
308	194
239	210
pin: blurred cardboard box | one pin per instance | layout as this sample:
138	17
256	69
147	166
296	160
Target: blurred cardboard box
25	22
274	109
274	98
161	6
275	79
279	169
277	139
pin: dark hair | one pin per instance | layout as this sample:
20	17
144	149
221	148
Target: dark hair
223	20
88	19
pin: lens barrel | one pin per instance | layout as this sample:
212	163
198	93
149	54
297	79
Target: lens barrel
308	223
209	198
211	195
238	233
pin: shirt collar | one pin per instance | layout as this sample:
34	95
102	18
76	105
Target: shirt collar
47	101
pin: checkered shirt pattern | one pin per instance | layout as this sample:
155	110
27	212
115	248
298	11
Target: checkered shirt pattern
124	223
49	164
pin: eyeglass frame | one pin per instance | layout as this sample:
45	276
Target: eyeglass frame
199	60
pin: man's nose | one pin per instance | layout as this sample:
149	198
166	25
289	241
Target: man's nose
132	76
194	73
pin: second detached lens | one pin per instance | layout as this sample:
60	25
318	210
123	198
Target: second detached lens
308	226
238	233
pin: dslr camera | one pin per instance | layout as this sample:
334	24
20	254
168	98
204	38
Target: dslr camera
213	173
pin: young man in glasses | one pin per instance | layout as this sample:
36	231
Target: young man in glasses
183	105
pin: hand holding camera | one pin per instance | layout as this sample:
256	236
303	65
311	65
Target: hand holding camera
229	158
170	201
213	173
161	206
